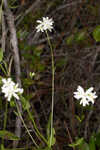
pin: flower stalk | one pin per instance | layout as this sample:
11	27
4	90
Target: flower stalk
44	26
53	74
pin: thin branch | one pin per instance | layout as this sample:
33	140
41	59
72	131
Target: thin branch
3	40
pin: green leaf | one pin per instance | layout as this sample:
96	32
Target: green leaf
92	143
41	67
1	54
84	146
70	39
0	13
8	135
77	143
25	103
51	141
27	82
2	147
97	139
96	33
80	118
80	36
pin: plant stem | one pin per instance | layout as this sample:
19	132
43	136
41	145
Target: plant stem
3	70
26	126
53	73
37	131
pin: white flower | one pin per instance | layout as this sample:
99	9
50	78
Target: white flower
91	95
80	94
45	24
9	88
85	97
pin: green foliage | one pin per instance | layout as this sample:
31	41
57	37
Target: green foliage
70	40
94	142
77	38
1	54
84	146
2	147
78	142
52	141
92	145
96	33
8	135
25	103
0	14
28	82
80	36
80	118
97	139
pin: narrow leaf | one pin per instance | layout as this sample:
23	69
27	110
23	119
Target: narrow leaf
1	54
96	33
8	135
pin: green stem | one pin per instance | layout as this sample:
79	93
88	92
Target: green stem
37	131
26	126
53	73
3	69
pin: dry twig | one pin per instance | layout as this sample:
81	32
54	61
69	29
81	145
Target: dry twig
3	33
14	43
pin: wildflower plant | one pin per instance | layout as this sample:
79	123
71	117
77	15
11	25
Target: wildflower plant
10	89
44	26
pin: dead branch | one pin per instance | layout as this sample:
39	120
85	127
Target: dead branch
14	43
3	33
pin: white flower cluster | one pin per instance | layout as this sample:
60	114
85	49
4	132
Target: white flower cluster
45	24
9	88
85	96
